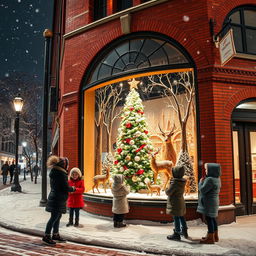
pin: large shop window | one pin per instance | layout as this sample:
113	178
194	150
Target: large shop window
140	116
141	127
243	23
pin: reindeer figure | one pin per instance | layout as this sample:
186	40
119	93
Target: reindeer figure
187	186
101	179
164	166
169	152
153	188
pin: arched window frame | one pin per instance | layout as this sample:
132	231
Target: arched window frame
89	82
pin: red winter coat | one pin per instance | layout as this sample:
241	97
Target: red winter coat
75	199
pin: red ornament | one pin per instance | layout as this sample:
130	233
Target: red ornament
140	112
146	132
125	167
131	109
119	150
127	140
116	162
128	125
140	148
140	171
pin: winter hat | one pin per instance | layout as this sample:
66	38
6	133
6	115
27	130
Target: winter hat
77	170
178	171
63	162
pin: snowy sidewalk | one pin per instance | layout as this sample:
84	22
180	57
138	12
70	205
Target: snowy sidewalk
21	212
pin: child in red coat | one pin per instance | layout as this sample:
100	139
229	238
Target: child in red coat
75	199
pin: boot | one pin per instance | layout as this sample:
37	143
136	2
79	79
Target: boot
174	236
216	236
70	222
208	240
115	224
47	239
120	224
184	232
76	222
58	238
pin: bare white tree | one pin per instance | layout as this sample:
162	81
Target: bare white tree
111	113
179	89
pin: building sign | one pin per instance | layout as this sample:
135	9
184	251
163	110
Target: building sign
227	48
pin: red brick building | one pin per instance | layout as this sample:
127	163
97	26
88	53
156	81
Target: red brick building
107	43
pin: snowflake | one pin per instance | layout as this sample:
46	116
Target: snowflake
19	1
31	25
6	59
17	20
6	74
37	10
27	51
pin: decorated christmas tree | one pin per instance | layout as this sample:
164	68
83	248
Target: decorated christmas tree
133	145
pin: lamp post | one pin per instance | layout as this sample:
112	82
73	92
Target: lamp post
18	104
24	144
47	35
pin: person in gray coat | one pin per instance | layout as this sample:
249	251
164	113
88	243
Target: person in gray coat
176	203
120	204
208	200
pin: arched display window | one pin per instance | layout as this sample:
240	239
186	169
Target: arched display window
139	115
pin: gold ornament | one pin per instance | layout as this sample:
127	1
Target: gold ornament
134	178
127	158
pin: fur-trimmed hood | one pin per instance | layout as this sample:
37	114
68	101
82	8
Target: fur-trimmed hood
77	170
54	161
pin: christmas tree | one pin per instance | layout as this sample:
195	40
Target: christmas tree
133	145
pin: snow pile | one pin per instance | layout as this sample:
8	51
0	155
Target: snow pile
21	211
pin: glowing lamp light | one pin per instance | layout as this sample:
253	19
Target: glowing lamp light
18	104
24	143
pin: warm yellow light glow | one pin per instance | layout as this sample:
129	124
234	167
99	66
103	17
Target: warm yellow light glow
18	104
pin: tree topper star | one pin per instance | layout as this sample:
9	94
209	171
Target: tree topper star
133	84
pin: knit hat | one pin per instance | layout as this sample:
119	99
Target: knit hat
77	170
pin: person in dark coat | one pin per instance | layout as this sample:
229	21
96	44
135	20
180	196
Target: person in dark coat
12	168
36	171
120	205
75	199
176	203
5	170
208	200
57	198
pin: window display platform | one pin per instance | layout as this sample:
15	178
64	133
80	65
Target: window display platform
142	206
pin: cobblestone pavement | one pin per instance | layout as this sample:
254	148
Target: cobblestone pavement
14	243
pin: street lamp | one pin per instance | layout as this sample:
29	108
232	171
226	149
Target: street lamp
48	36
18	104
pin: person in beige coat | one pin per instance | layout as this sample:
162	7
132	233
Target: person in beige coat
120	204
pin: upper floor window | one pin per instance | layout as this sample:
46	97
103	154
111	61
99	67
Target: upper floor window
123	4
100	9
243	23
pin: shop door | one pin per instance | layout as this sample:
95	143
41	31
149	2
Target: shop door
244	154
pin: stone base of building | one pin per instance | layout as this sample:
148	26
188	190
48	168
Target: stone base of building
150	209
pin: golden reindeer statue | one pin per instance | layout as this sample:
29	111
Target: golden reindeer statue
163	166
169	152
98	179
153	188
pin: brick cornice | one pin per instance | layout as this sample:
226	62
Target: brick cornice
227	74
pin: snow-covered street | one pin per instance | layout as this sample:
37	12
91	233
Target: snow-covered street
21	212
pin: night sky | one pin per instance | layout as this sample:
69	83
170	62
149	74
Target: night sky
22	23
